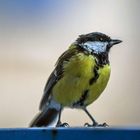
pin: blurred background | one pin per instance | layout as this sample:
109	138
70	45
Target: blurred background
33	34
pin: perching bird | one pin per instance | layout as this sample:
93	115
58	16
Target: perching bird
80	76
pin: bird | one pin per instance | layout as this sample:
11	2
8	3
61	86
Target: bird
80	75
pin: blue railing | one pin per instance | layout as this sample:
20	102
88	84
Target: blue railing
70	134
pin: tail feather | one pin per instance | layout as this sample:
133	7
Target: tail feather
48	117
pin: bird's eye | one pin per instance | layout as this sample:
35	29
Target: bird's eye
101	39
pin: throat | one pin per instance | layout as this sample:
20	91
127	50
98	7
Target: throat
102	59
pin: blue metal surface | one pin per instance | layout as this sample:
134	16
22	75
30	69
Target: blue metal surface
70	134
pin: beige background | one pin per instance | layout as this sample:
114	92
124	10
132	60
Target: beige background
33	34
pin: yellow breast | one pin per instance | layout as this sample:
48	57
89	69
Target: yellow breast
97	88
75	80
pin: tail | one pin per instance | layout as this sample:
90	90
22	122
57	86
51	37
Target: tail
48	117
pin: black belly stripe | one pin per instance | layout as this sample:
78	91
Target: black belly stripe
96	76
80	102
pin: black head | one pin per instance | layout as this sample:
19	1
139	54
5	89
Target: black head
96	42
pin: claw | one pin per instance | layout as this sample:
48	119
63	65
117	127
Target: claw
96	125
63	125
103	125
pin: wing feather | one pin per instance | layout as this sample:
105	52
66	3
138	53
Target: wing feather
55	76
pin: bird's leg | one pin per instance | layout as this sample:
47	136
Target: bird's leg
93	120
59	123
95	124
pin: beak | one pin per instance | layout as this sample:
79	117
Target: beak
114	42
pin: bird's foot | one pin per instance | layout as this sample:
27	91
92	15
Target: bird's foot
62	125
96	125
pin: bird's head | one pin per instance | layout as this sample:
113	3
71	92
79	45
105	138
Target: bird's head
96	42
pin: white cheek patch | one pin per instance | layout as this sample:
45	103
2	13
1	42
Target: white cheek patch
97	47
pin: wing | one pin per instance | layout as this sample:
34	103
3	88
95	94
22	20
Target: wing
55	76
47	90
